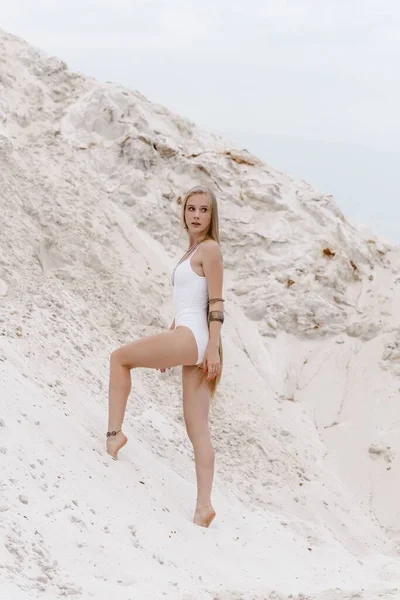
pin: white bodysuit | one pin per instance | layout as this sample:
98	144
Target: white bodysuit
191	300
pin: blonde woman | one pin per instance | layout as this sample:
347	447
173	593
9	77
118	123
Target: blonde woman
193	342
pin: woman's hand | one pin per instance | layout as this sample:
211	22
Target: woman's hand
211	362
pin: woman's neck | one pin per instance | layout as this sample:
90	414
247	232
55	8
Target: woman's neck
193	240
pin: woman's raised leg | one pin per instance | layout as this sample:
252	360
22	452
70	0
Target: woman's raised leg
165	350
196	404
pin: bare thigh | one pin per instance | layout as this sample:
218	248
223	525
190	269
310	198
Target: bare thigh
161	351
196	399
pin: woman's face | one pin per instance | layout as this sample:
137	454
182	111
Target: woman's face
197	214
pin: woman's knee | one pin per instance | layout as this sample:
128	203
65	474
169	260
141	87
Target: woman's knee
189	424
117	358
196	428
189	429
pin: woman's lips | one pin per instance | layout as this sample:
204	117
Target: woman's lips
196	224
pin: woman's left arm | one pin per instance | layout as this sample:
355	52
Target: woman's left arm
213	270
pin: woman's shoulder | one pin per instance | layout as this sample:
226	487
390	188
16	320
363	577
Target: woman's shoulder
211	248
210	245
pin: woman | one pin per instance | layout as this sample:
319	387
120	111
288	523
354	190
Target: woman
193	341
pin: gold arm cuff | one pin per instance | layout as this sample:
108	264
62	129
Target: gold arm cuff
216	315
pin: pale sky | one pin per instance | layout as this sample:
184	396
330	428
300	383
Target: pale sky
311	86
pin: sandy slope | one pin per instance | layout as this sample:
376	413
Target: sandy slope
306	424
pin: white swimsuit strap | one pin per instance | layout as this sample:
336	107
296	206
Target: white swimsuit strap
184	261
194	251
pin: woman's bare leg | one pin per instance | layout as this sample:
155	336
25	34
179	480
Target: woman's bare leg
165	350
196	404
119	388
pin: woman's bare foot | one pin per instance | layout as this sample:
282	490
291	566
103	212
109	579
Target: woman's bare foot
204	515
115	443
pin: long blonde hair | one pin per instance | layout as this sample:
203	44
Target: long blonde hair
212	233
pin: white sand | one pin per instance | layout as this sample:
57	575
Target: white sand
307	420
